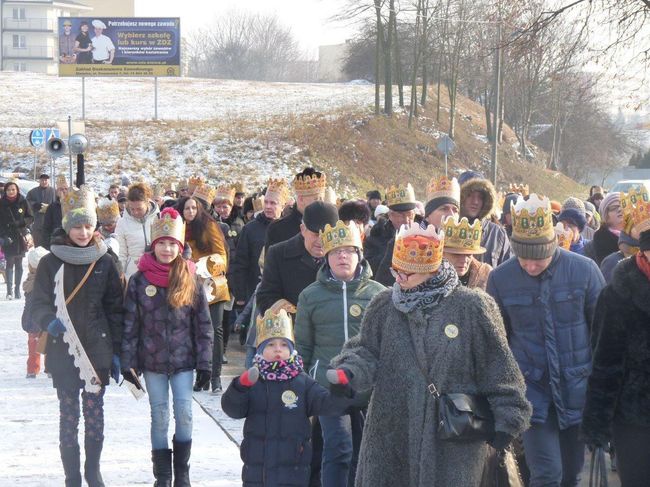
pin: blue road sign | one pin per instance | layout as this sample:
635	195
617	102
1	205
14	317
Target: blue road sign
49	133
36	137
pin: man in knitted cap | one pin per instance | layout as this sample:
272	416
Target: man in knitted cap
547	297
477	200
309	186
39	198
575	220
290	266
578	205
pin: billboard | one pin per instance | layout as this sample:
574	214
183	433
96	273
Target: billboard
119	46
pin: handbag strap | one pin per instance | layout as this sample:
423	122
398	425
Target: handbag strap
431	387
81	283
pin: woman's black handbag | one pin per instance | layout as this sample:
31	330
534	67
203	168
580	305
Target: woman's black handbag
461	417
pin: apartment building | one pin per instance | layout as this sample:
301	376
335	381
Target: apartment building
28	29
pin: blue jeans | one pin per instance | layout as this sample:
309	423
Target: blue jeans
337	450
158	392
554	457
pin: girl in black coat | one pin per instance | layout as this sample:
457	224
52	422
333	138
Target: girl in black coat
618	395
277	433
15	219
95	312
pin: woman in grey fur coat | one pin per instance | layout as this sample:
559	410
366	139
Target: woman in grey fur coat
460	338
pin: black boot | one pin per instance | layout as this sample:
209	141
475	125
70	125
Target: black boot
182	452
216	385
162	467
91	466
71	465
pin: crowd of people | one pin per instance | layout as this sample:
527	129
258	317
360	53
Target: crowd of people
359	317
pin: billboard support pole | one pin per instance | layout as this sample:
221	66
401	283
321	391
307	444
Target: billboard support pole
69	151
155	97
83	98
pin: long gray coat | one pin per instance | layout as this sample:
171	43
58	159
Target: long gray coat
399	445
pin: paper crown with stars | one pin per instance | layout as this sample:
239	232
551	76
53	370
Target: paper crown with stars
274	325
418	250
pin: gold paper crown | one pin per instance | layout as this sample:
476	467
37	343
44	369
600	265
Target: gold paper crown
274	325
258	203
108	211
443	187
310	185
193	182
341	235
636	204
205	193
399	195
239	187
226	193
418	250
182	184
158	190
77	199
564	235
461	237
532	219
61	181
277	189
521	189
166	226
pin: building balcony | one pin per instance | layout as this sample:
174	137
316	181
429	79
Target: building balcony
29	52
29	25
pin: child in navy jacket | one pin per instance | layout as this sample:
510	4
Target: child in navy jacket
276	449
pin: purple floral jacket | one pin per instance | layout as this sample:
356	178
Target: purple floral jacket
160	339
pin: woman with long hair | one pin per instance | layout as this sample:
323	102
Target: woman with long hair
167	335
208	244
91	287
15	219
605	240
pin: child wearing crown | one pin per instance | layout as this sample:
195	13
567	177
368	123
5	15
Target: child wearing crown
277	399
167	335
81	273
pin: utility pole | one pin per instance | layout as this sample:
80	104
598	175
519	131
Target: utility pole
497	105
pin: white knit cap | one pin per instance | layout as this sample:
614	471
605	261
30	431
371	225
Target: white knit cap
35	255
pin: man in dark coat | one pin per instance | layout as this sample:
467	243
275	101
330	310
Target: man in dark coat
53	215
547	297
39	198
309	186
291	266
401	211
477	200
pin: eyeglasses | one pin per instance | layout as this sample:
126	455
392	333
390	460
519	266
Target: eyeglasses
402	276
343	251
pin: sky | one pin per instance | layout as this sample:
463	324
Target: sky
308	19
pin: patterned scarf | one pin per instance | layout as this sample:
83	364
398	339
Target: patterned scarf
429	293
281	370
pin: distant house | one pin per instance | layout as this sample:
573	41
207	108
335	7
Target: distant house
331	60
28	29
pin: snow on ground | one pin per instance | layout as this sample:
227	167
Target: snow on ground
29	452
31	98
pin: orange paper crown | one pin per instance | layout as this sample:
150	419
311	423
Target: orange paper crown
310	185
205	193
636	204
463	238
193	182
418	251
564	235
443	187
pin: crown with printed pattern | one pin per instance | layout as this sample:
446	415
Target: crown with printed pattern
443	187
564	235
461	237
418	250
274	325
636	204
310	185
341	235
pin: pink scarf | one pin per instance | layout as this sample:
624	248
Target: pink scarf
157	273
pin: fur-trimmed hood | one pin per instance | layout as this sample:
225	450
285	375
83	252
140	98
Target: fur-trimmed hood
487	188
631	284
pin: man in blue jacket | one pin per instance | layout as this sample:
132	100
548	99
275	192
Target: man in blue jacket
547	296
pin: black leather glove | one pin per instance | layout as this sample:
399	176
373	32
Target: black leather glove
202	378
501	441
131	377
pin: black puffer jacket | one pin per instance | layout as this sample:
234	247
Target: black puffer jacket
619	385
15	219
283	229
374	247
96	312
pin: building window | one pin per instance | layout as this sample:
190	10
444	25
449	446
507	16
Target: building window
19	13
19	41
20	66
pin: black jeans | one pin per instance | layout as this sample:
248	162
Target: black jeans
631	442
216	315
14	271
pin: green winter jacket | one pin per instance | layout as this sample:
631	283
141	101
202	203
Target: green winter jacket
329	313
